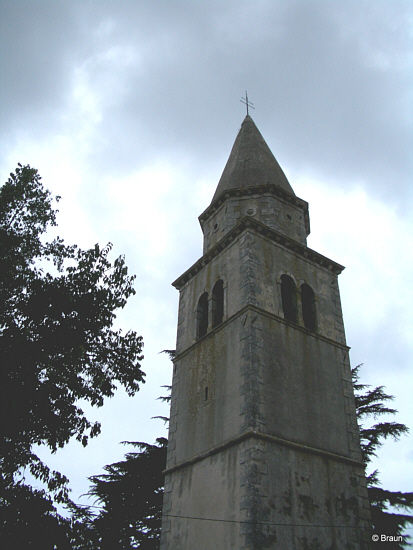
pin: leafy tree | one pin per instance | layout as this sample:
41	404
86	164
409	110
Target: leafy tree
29	519
57	344
370	403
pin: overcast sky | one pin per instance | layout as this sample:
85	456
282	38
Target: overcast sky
129	110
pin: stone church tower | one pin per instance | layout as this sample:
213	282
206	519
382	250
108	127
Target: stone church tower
263	445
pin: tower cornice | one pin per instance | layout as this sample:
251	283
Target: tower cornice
248	223
249	308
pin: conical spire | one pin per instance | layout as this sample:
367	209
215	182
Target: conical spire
251	163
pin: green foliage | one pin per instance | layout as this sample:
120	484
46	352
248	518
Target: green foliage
29	519
57	344
371	404
130	493
131	513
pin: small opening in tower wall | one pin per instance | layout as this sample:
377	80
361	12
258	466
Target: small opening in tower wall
202	316
206	393
289	298
217	303
308	306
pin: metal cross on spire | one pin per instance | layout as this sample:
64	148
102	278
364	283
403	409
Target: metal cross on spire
247	103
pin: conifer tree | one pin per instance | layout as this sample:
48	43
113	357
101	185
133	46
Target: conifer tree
389	509
130	493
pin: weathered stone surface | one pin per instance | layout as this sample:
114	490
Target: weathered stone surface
263	445
251	162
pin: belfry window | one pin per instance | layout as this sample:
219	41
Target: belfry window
217	303
289	298
308	305
202	316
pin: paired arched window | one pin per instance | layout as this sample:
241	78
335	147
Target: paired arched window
217	309
308	307
289	302
217	303
202	316
289	298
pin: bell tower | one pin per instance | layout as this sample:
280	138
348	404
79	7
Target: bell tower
263	447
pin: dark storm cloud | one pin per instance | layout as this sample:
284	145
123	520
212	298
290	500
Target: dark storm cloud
329	80
334	90
38	40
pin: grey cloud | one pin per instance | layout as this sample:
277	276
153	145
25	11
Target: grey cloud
37	41
327	78
324	101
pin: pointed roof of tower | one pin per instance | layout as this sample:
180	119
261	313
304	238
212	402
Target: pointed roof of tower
251	163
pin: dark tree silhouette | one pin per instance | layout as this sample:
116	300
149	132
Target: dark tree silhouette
386	506
57	347
131	493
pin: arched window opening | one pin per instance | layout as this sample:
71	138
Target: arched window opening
289	298
202	316
308	305
217	303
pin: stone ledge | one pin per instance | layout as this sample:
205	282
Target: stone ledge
257	309
253	434
249	223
